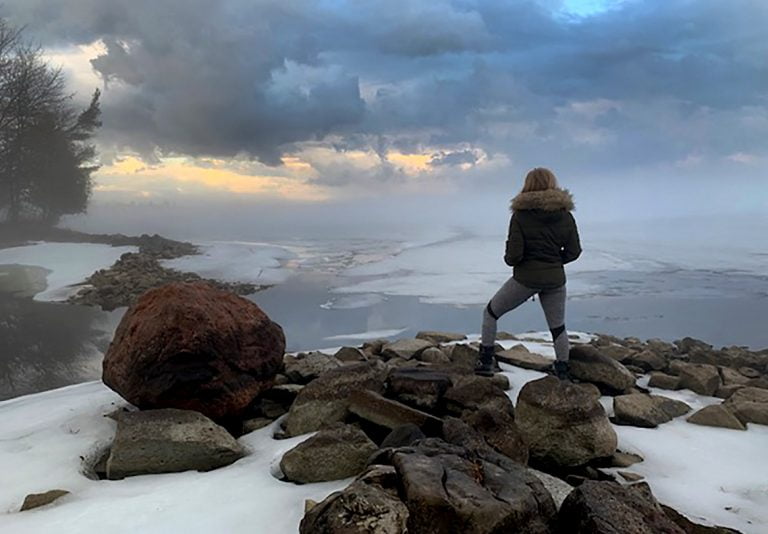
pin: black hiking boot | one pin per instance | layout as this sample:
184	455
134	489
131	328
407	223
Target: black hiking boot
561	370
485	364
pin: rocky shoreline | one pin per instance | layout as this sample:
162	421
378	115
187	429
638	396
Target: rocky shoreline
430	446
133	274
137	272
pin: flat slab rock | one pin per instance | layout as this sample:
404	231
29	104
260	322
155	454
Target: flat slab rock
718	416
646	411
36	500
336	452
169	441
610	508
391	414
588	364
405	348
519	356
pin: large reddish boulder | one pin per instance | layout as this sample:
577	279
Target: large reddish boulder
191	346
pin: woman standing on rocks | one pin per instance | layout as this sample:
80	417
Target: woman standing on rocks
542	238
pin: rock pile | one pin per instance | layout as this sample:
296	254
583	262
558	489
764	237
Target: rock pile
137	272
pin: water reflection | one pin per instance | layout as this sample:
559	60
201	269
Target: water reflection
45	345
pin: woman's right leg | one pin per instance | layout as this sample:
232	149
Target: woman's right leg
553	304
511	295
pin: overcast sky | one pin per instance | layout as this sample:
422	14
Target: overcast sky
641	107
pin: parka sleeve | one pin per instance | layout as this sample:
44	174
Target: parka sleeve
572	247
515	249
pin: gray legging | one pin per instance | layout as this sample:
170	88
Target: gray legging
511	295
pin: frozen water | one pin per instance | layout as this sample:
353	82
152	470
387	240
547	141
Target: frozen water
69	264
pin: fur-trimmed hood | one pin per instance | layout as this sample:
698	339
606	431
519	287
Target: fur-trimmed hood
548	200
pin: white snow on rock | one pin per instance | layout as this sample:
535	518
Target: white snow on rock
367	336
68	263
237	261
712	475
43	437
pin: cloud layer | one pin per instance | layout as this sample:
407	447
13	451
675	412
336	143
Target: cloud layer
646	84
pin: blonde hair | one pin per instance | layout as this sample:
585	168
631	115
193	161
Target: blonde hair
539	179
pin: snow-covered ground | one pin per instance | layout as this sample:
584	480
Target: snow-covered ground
68	264
709	474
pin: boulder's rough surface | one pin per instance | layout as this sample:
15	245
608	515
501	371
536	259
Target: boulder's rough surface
402	436
169	441
405	348
610	508
350	354
519	356
421	388
559	489
434	355
647	411
448	489
464	357
664	381
716	415
304	369
325	399
194	347
647	360
336	452
703	379
440	337
564	424
472	393
368	505
750	405
689	527
383	412
587	364
500	431
36	500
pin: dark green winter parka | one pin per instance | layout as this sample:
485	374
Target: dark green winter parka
542	238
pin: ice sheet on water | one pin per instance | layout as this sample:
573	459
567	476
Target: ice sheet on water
237	261
367	336
68	263
351	302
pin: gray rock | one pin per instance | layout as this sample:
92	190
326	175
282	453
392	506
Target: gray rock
703	379
749	372
610	508
403	436
447	489
731	377
587	364
690	527
251	425
440	337
36	500
325	400
625	459
564	424
620	353
464	357
434	355
500	431
363	507
405	348
647	411
305	369
726	392
421	388
336	452
559	489
471	393
664	381
687	344
350	354
716	415
374	408
169	441
505	336
647	360
519	356
750	405
629	476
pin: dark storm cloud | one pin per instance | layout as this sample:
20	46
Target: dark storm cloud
232	77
